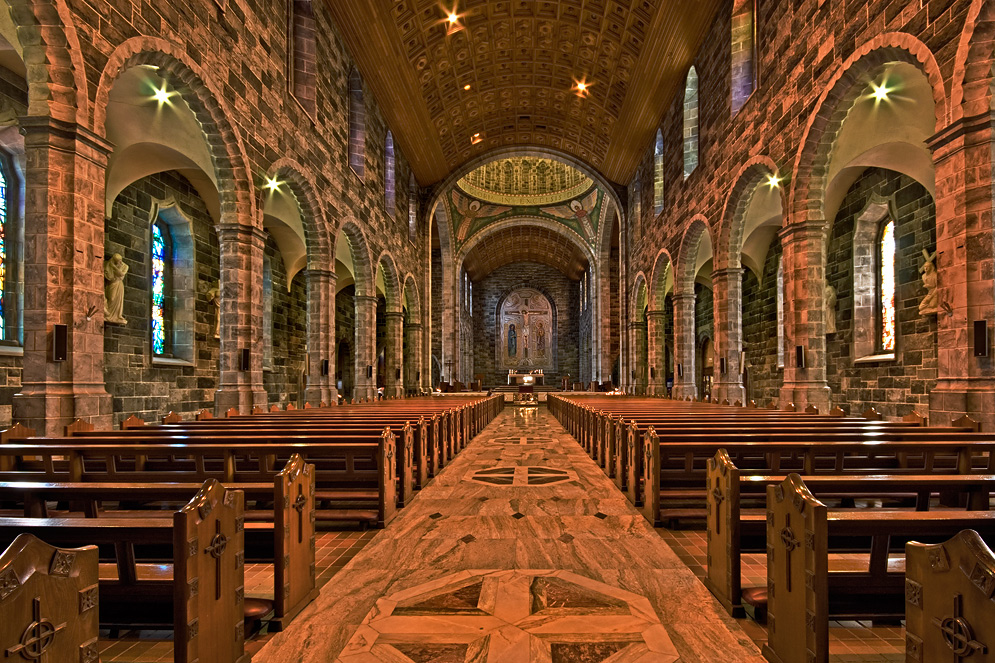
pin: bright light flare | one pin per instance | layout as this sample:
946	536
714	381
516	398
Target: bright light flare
272	184
582	87
773	181
880	92
162	95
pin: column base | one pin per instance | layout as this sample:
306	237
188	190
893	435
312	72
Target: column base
684	391
242	397
49	408
728	391
952	399
803	394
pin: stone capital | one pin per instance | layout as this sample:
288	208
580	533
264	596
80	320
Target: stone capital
684	298
656	314
802	231
241	234
727	274
413	326
949	139
65	136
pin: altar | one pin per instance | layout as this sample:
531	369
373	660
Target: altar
531	377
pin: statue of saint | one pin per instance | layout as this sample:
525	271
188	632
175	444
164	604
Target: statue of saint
512	341
931	301
214	299
540	339
830	303
114	271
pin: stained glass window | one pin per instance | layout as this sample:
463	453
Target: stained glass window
780	314
658	173
3	254
691	123
887	262
158	291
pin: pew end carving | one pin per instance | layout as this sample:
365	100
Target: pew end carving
78	426
294	502
49	602
724	564
949	591
132	422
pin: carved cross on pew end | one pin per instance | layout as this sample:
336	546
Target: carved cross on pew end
958	633
790	543
37	637
217	548
299	505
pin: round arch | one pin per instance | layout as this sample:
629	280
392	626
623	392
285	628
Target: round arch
391	280
661	279
352	234
411	299
558	228
687	259
811	170
640	297
732	227
303	185
974	65
191	82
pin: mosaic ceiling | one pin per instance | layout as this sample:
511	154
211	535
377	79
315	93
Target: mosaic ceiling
506	73
525	181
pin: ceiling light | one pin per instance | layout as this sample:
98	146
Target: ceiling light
581	87
161	95
476	138
272	183
466	87
773	181
880	92
453	17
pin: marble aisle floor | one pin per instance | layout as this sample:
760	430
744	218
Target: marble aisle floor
520	550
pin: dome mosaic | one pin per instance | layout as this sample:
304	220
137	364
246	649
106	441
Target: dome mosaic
525	181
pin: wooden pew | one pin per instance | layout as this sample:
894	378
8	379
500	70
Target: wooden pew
359	480
803	591
949	612
731	530
201	593
48	602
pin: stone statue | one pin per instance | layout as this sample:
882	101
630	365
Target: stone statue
931	301
830	304
114	271
512	341
214	299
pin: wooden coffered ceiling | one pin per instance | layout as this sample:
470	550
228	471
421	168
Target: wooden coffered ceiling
522	60
525	243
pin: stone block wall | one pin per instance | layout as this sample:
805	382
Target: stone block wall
562	293
138	384
283	379
895	387
763	377
345	336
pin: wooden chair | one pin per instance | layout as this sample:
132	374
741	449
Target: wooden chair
48	591
948	589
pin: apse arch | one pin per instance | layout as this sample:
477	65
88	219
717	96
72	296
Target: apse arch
559	229
440	190
228	170
813	194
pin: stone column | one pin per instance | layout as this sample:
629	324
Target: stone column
727	289
964	202
241	311
804	315
63	276
684	342
321	335
656	351
366	347
413	370
393	359
638	364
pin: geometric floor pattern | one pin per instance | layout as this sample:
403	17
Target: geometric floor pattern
522	476
512	617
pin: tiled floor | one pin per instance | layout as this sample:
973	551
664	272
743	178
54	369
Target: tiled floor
849	642
515	570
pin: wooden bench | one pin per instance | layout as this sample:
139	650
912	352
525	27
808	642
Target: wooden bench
949	611
201	593
48	601
804	589
357	481
731	530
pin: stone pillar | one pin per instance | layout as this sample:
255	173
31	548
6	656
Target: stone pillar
366	347
684	346
63	276
241	311
413	369
656	351
638	364
964	203
321	336
727	289
804	315
393	359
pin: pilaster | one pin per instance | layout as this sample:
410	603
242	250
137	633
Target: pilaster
727	289
684	369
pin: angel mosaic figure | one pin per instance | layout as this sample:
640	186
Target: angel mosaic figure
471	210
579	211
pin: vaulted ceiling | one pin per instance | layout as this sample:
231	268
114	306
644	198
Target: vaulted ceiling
525	243
522	60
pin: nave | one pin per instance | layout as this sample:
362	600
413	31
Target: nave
522	548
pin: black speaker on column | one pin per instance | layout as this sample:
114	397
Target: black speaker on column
980	338
243	359
397	374
800	356
369	371
60	342
324	367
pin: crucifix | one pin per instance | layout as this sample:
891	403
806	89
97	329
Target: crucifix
790	543
718	497
299	505
217	548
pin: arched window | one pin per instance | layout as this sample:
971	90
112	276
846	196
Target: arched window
412	208
161	289
886	286
744	52
691	123
658	174
389	186
357	124
301	59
